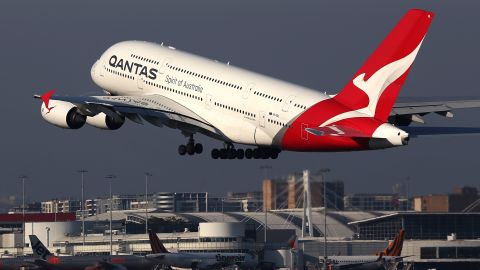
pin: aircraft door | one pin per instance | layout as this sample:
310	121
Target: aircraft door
208	101
140	82
261	119
304	132
164	67
288	103
248	90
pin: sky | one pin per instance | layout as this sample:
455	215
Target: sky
53	44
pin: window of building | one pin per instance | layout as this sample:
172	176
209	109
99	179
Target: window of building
468	252
428	253
447	252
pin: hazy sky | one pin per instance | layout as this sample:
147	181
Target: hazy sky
53	44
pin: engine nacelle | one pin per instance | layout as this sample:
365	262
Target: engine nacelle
63	114
104	121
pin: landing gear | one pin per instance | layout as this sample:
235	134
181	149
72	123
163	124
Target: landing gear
215	153
248	153
190	148
182	149
262	153
229	152
240	153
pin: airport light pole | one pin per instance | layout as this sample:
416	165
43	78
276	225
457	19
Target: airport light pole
22	178
323	172
265	227
264	169
147	174
110	178
82	207
406	193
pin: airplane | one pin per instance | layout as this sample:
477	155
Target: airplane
48	261
198	260
158	84
389	258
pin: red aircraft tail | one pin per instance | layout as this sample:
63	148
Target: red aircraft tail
292	242
46	99
395	247
376	85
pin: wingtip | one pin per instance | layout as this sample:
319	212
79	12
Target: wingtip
45	95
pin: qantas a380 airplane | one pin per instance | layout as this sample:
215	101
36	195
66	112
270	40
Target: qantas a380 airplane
166	87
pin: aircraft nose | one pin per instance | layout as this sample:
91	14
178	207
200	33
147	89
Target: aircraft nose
405	138
92	71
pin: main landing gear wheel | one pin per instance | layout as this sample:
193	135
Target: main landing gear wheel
248	153
190	148
215	153
182	150
240	153
262	153
229	152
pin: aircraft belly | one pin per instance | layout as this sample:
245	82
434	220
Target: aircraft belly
262	138
237	130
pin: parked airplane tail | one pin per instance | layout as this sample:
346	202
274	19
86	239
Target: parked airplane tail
292	242
39	250
156	244
376	85
395	247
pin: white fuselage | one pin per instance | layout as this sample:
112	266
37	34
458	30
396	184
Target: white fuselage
206	260
242	106
360	262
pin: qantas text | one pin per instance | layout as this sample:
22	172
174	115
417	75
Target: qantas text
133	67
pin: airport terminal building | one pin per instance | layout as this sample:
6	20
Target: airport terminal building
432	240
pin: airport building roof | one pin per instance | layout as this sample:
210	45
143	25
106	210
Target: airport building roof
337	221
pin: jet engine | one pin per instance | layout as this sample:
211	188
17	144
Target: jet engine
63	114
103	121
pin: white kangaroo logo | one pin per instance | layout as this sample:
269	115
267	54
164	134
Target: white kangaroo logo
376	84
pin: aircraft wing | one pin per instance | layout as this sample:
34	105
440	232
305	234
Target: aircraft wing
403	113
400	258
155	109
421	131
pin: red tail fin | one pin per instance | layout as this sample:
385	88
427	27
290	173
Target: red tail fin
292	242
46	99
375	87
395	247
155	243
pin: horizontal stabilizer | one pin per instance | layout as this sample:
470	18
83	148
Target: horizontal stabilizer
336	131
432	131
